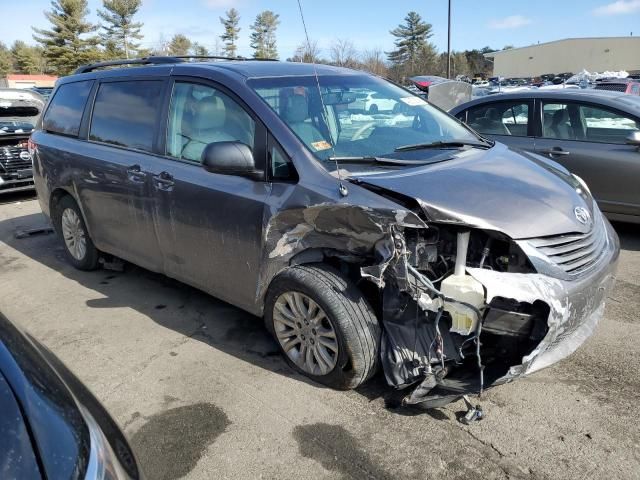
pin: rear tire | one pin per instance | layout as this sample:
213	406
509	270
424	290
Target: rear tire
78	246
301	295
373	109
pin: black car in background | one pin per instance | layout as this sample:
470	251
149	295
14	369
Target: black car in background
19	111
595	134
51	426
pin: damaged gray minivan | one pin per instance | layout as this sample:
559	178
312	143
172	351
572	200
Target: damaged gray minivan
398	238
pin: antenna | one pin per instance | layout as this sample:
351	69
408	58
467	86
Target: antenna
341	187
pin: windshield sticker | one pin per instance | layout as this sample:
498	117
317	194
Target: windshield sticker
322	145
413	101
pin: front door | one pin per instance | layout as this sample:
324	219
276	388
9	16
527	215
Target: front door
209	225
590	141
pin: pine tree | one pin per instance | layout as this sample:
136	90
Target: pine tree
413	50
179	45
6	61
68	44
231	31
26	59
263	37
120	29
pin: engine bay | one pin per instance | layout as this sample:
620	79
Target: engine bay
441	336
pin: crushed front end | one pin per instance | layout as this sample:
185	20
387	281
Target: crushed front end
467	308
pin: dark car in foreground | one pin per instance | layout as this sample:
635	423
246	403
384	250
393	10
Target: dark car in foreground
400	239
19	112
595	134
51	426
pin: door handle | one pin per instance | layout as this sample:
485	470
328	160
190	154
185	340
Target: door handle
135	174
163	181
555	151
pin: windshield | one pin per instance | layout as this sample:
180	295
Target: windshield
365	116
17	119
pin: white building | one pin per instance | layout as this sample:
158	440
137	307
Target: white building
568	55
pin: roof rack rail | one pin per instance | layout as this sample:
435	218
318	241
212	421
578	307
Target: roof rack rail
131	61
158	60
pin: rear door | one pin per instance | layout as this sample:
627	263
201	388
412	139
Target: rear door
113	184
210	225
509	122
590	141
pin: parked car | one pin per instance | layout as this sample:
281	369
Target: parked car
19	111
593	133
44	91
51	426
407	241
374	102
423	82
624	85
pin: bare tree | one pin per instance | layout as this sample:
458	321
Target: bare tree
343	53
373	61
307	53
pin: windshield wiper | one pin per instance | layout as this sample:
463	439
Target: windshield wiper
439	144
372	159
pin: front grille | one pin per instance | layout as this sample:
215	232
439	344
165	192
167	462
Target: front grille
10	160
614	87
574	252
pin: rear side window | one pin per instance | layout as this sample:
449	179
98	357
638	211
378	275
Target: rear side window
125	114
65	110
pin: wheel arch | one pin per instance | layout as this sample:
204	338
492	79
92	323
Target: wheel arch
54	201
345	262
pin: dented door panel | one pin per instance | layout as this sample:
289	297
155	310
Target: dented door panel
209	227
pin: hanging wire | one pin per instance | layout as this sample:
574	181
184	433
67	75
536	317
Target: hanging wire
343	190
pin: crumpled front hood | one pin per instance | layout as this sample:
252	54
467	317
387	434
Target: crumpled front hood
517	193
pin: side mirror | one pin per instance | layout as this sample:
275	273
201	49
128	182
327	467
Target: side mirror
634	138
230	158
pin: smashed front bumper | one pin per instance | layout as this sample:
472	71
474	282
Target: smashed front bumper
575	306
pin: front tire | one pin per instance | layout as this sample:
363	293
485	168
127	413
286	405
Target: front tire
78	246
324	326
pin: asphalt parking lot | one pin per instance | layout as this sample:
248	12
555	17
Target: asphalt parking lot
201	392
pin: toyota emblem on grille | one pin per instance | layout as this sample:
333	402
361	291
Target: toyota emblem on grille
25	156
582	215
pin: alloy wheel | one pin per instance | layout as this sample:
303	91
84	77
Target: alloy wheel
73	234
305	333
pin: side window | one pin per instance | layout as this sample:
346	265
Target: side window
281	166
557	123
125	113
501	118
606	126
65	109
201	115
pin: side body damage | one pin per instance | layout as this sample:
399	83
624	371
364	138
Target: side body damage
525	321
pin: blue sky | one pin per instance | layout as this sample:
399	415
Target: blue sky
475	24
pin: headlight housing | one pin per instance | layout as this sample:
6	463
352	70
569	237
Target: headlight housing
582	183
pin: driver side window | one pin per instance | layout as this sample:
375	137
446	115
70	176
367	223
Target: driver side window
200	115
